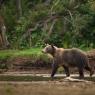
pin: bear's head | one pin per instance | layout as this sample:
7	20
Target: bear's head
50	49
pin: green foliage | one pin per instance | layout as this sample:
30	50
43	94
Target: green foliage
79	27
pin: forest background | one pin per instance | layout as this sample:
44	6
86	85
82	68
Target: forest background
32	23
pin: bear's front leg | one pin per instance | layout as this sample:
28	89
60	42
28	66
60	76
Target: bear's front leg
54	69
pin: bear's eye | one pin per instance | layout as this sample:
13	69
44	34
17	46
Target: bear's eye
47	49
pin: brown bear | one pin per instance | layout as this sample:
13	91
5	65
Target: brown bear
68	58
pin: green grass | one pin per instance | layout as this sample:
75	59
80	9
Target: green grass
34	78
34	52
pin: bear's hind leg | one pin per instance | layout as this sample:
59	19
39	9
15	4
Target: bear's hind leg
66	71
81	73
91	70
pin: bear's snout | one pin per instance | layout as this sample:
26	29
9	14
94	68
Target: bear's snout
43	51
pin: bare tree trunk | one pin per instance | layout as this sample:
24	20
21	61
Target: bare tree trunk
1	42
19	8
3	37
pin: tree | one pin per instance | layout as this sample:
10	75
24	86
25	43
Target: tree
1	2
68	23
4	43
19	8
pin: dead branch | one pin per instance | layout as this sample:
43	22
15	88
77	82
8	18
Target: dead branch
50	31
51	28
44	25
26	34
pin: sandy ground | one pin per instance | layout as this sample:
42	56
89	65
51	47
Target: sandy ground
47	88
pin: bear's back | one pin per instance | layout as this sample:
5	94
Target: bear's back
73	56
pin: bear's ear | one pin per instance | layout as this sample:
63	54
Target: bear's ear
52	46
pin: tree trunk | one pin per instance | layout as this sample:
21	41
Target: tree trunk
19	8
1	2
3	37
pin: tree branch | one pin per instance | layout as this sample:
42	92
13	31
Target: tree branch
26	34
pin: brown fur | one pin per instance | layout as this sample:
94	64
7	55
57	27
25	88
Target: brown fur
68	58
